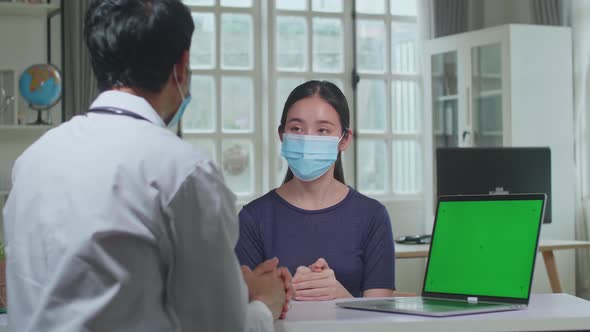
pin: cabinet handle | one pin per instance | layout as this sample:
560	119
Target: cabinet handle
466	136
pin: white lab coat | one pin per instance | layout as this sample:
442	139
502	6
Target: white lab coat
115	224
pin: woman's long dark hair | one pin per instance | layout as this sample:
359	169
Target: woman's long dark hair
331	94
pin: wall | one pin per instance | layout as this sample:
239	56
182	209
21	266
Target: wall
498	12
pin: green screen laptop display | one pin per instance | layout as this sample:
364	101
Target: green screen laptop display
467	257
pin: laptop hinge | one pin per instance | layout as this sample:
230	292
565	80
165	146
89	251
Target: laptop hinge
472	299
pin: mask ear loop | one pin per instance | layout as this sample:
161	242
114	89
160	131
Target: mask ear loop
178	84
344	134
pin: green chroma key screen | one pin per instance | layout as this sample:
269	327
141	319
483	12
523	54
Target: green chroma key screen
484	248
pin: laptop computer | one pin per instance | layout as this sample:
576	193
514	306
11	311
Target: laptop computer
481	258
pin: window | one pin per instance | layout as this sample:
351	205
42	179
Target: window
388	94
224	118
252	53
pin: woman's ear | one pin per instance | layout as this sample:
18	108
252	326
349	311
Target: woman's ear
346	140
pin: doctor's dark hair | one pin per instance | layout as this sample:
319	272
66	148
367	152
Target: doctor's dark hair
331	94
135	43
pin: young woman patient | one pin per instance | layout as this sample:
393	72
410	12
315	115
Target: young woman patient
337	242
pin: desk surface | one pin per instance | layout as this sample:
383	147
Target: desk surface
546	312
421	250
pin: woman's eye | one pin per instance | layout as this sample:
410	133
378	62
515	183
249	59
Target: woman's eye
323	131
295	129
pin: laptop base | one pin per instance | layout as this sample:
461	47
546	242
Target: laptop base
431	307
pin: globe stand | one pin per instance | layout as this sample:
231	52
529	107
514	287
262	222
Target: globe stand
39	121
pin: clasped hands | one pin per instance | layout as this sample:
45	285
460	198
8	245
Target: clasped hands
270	284
275	287
317	282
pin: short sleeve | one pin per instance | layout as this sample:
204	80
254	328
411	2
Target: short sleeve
379	253
250	246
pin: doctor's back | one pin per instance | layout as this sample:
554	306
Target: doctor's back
115	224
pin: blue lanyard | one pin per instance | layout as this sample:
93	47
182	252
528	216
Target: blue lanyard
116	111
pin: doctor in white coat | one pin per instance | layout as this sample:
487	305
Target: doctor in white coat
115	224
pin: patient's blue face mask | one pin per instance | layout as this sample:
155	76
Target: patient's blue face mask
309	156
185	101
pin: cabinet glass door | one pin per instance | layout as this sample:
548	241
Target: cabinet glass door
444	99
486	95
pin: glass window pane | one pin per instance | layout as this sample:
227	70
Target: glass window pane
370	6
403	7
200	114
327	6
205	146
237	3
370	46
372	166
486	68
407	167
372	104
327	45
203	56
405	101
237	104
199	2
291	43
487	95
238	166
291	4
404	48
236	41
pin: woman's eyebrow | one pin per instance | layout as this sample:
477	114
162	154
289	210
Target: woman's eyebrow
325	122
295	120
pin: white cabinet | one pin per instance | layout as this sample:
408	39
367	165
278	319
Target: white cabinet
505	86
510	85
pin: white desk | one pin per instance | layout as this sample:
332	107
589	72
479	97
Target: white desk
546	247
546	312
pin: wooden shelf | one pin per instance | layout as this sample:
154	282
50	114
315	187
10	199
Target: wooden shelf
447	98
27	9
8	132
489	94
25	127
491	133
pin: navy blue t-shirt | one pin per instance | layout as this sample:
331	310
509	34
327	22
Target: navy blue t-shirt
353	236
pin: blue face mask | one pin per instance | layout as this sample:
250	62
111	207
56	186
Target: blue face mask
185	101
309	156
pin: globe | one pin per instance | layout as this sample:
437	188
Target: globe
41	87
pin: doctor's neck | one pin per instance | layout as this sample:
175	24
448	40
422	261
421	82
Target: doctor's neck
163	102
